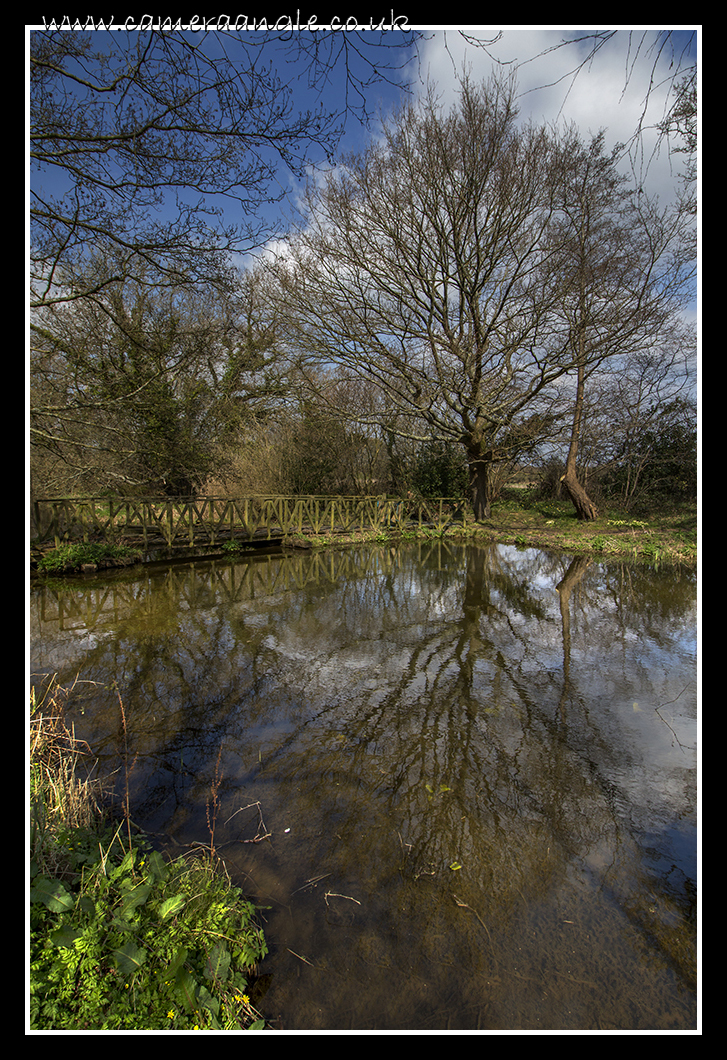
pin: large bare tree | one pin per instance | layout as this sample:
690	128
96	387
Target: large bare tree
423	266
458	264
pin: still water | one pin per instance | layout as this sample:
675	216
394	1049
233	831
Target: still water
469	773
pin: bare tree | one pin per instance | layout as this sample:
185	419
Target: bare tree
640	415
140	141
653	59
421	268
620	275
680	129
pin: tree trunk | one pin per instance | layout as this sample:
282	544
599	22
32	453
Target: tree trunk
584	506
480	486
564	589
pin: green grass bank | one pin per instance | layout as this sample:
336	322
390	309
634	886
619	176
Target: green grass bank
656	536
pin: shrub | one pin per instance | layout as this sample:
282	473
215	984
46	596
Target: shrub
139	943
440	471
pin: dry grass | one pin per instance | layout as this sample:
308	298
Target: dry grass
64	793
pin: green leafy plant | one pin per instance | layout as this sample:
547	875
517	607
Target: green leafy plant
121	938
140	943
235	546
71	557
651	551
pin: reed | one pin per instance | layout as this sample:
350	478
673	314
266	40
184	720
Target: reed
66	795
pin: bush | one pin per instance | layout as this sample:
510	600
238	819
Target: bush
659	465
139	943
548	486
440	470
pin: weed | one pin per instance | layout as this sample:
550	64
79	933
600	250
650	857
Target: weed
120	938
65	797
634	524
651	551
71	557
235	546
140	943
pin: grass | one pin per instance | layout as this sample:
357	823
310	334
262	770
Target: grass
67	558
665	534
518	518
120	938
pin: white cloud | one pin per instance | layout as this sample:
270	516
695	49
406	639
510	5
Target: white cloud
614	91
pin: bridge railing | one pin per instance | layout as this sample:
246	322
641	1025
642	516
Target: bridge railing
191	522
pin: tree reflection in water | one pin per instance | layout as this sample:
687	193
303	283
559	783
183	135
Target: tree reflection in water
481	816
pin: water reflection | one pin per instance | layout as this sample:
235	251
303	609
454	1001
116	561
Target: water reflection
476	766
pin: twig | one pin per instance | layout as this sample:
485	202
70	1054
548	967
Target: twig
303	959
261	823
127	769
463	905
249	806
311	882
332	894
668	704
213	802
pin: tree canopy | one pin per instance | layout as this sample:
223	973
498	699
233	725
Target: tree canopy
166	147
457	285
443	264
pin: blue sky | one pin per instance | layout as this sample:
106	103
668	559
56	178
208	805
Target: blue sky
609	93
627	83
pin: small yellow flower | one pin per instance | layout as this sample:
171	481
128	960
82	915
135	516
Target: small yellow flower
246	999
170	1015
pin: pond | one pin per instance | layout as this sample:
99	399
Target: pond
461	781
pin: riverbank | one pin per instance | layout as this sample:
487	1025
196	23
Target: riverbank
120	938
666	536
655	536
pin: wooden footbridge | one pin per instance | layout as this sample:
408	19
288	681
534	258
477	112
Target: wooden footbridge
207	522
